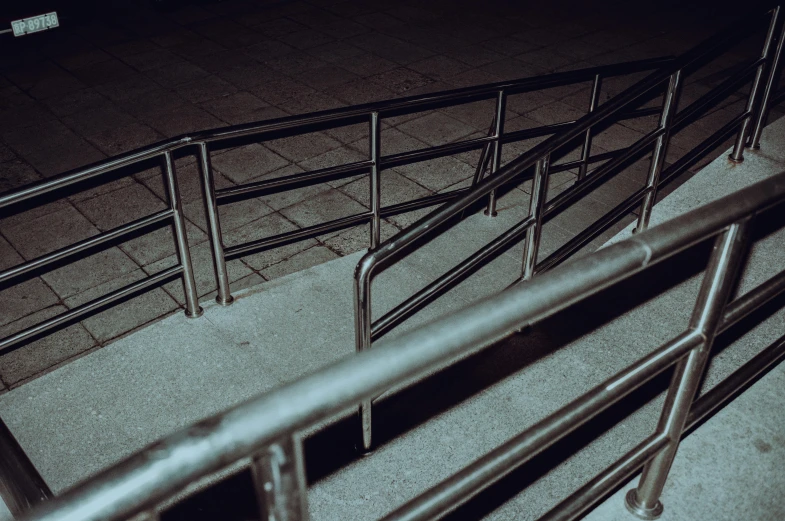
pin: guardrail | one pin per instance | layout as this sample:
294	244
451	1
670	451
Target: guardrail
268	130
265	430
763	73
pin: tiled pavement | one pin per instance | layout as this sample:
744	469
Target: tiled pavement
133	76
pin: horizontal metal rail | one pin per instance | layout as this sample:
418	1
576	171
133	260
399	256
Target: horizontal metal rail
89	307
148	478
79	247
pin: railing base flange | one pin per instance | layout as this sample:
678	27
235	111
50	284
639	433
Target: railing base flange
198	313
639	511
226	301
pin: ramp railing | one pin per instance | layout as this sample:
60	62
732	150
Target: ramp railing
265	431
535	164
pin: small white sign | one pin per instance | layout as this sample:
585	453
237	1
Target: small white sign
34	24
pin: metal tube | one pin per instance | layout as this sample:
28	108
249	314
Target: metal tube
192	308
490	468
362	329
498	130
593	491
737	155
21	486
162	470
536	212
423	202
86	244
717	285
586	150
434	152
375	152
726	390
740	308
279	479
441	285
669	108
224	296
273	241
771	84
89	307
289	182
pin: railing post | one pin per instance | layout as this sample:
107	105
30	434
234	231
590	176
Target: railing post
279	480
536	206
376	180
771	83
669	108
192	308
737	156
501	105
224	296
715	289
586	150
362	331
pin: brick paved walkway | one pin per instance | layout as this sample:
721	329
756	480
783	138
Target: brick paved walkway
133	76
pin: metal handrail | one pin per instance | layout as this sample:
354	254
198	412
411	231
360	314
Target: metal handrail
265	428
266	130
520	169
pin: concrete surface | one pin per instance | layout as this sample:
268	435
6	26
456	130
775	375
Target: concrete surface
90	413
127	76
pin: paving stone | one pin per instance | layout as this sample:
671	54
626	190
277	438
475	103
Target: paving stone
94	121
393	141
335	157
304	146
41	235
325	206
439	67
390	48
75	102
132	47
280	89
235	108
306	38
104	72
395	188
360	91
15	174
171	76
306	103
267	226
127	315
509	46
289	197
299	261
120	207
127	88
196	47
232	215
401	80
183	120
39	355
436	129
325	77
121	139
437	174
204	89
358	238
246	162
616	137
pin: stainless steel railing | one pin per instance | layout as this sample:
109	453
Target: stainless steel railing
203	142
265	430
762	72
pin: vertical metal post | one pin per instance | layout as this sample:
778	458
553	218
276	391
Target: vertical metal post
536	207
717	285
376	179
501	104
586	150
192	308
224	296
362	328
775	67
737	156
669	107
279	479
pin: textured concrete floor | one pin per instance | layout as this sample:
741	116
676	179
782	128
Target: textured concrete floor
132	76
177	371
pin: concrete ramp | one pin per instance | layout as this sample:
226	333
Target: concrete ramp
91	413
